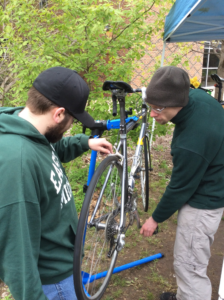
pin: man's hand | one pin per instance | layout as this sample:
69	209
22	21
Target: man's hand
149	227
101	145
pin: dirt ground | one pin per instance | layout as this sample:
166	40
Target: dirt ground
148	281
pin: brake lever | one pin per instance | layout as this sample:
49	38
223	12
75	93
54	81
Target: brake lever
83	129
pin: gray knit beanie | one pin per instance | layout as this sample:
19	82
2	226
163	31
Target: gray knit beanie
169	87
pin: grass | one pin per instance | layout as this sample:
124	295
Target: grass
158	279
109	297
159	148
117	294
167	169
150	296
128	245
129	232
8	296
118	280
144	253
163	164
153	241
163	226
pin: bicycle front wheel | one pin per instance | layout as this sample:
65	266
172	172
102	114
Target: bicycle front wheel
144	174
95	246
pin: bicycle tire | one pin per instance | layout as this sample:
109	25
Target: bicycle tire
92	244
144	173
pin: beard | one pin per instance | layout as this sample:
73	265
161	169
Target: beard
55	133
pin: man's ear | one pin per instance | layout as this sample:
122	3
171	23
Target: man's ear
58	114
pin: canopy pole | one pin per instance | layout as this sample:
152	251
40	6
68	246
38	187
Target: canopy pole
153	121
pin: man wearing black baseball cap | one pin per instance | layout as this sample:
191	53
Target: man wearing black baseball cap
64	87
37	209
196	185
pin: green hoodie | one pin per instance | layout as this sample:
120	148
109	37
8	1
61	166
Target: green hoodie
198	157
37	211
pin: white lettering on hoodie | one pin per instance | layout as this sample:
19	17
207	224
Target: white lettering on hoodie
57	179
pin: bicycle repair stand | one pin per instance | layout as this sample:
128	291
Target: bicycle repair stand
88	279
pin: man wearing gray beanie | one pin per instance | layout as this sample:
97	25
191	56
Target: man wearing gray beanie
197	180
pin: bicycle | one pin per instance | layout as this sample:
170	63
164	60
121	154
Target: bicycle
218	85
110	204
219	80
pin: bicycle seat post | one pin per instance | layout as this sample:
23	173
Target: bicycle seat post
123	138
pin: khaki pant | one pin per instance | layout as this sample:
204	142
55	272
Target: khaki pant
194	237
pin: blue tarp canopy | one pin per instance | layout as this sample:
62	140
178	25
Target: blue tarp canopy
195	20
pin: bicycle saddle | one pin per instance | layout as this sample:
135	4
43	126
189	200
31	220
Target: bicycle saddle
117	85
217	78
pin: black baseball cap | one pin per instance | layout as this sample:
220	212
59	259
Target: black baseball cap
67	89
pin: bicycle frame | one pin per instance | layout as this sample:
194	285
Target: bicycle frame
103	220
125	125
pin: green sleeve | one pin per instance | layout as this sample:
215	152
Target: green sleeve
188	170
69	148
20	230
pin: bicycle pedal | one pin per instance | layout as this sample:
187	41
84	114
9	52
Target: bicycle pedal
150	169
136	176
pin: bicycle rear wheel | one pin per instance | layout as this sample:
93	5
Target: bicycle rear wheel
144	173
95	246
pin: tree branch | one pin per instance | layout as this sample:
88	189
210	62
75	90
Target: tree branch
132	22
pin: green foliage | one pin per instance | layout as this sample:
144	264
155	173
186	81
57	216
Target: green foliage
73	34
77	172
